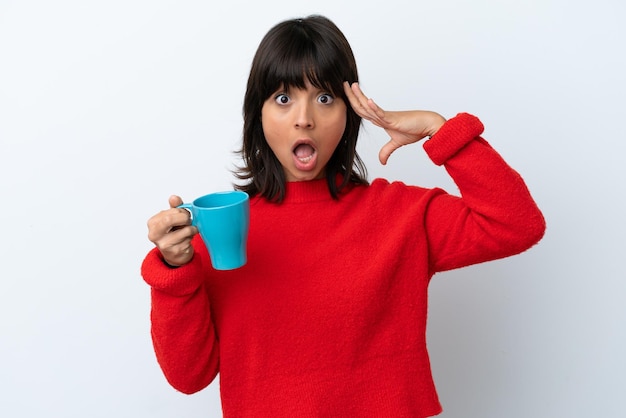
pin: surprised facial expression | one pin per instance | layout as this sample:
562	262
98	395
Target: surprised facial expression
303	127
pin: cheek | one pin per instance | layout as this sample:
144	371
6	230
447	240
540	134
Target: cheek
269	127
268	119
339	126
342	120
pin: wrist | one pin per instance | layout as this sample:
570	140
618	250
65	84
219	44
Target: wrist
172	266
437	122
452	137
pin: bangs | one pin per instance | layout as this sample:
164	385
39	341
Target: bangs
301	59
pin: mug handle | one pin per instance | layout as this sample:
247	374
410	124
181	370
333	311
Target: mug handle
188	207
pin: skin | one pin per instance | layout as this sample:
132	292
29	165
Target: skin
403	127
171	231
310	116
291	117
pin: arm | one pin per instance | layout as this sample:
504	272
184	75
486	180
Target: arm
182	330
495	217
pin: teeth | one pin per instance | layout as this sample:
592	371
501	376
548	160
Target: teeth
305	159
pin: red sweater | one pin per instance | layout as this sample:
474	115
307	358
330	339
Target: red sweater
328	317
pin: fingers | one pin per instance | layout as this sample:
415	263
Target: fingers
351	92
177	251
175	201
364	106
171	231
386	151
369	110
167	221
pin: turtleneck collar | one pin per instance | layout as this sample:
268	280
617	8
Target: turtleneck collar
307	191
310	191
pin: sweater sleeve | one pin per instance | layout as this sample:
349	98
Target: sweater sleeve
183	334
495	216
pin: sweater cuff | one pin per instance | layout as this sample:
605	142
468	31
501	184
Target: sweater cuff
179	281
452	137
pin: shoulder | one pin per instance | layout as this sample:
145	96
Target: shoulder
386	186
388	192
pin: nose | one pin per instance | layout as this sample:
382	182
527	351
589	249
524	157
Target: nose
304	116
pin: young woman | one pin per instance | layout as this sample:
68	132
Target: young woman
328	316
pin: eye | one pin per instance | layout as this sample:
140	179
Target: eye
325	98
282	99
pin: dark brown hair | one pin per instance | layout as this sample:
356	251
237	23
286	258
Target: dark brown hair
292	52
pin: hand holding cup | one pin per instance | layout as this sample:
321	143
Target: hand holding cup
171	231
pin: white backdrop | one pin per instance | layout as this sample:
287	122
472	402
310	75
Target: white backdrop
108	107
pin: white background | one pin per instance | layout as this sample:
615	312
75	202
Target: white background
108	107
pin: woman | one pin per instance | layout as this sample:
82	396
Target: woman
328	317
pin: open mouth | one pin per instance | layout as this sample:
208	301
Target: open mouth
304	153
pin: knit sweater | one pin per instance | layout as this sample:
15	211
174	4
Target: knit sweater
328	316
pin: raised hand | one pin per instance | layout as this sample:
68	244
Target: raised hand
403	127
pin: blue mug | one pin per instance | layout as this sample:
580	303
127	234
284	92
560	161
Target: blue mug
223	220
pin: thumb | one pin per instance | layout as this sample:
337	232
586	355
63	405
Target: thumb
175	201
386	151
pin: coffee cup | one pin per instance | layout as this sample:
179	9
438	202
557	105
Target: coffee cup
223	220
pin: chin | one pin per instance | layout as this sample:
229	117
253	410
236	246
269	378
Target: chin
307	177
